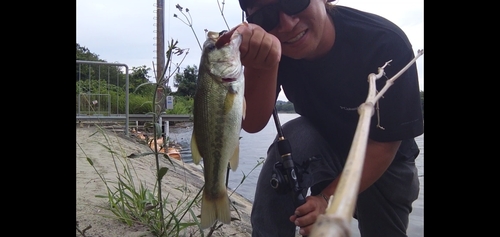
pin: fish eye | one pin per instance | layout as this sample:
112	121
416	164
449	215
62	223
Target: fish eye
211	47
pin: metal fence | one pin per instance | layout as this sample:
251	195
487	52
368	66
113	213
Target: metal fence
100	97
98	93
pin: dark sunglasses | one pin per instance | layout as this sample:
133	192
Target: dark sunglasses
267	17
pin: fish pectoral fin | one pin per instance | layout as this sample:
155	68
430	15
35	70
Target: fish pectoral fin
229	101
235	159
244	108
195	153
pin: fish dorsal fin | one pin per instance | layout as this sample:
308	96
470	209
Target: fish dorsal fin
195	153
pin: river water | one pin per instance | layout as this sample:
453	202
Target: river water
253	149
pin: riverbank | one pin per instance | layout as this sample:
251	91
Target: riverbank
93	144
89	208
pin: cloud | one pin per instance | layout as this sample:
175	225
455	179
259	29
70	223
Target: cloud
124	31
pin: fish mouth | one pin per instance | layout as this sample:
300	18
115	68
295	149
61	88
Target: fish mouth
228	79
225	37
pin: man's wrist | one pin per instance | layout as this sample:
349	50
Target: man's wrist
324	197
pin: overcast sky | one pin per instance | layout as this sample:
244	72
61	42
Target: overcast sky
124	31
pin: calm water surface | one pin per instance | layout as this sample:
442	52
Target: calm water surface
253	149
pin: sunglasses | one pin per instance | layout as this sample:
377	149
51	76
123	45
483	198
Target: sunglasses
268	18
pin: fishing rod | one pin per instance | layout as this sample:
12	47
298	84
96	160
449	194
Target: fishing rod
288	176
285	171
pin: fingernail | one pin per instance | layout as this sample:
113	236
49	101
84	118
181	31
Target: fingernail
296	223
301	232
296	213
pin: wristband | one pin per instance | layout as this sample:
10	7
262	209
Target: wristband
324	197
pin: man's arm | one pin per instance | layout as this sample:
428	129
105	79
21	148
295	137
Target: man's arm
378	157
260	56
260	96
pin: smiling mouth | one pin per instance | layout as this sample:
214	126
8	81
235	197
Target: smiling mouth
296	38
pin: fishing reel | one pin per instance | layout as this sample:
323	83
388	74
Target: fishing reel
281	182
288	177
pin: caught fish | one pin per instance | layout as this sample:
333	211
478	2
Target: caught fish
219	109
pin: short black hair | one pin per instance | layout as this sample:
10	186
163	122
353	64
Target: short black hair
244	4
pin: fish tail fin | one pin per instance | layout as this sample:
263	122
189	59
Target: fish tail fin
215	209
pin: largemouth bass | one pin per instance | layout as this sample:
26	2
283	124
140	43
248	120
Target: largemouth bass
219	108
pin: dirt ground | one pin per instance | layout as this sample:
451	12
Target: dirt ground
92	143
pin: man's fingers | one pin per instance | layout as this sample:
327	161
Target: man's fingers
258	48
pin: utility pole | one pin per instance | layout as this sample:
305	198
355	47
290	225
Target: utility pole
160	53
160	67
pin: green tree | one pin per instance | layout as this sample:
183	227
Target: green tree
112	74
186	82
138	76
110	81
285	106
83	53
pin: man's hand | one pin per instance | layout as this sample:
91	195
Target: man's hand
307	213
259	49
260	56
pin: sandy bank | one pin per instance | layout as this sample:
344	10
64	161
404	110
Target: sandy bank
93	143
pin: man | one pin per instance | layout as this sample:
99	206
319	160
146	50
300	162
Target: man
321	55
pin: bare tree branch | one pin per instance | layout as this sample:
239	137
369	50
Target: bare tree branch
338	215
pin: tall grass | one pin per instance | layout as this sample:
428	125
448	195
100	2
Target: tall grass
131	201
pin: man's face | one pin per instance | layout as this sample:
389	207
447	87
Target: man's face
303	34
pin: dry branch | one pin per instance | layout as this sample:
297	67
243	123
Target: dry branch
335	222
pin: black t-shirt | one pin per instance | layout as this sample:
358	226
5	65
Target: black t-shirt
329	90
